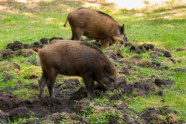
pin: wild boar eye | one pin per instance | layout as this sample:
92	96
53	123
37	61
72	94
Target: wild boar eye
111	79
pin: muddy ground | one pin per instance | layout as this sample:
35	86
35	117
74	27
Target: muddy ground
71	103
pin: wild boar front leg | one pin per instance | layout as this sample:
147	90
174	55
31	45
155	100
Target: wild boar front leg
89	86
105	43
51	81
42	84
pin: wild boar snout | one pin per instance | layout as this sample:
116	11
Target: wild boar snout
109	83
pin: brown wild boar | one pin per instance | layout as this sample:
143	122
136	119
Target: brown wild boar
75	58
95	25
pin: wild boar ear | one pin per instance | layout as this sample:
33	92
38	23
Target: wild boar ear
106	69
118	39
122	29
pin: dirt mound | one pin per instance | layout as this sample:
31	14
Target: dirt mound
8	78
44	40
162	115
114	56
154	65
181	49
129	119
141	88
7	53
19	112
71	83
11	104
180	69
162	82
81	106
78	95
58	117
31	86
15	46
138	89
140	48
156	52
3	118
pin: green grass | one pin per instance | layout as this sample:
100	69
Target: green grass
163	27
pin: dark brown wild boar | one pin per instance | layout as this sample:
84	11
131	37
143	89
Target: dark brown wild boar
75	58
95	25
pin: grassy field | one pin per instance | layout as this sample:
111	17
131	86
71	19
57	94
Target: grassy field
164	27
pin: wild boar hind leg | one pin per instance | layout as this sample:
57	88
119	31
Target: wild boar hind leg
51	81
42	84
89	83
77	33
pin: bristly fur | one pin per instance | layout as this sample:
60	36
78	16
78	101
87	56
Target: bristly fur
105	14
91	46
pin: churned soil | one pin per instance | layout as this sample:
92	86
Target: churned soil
68	103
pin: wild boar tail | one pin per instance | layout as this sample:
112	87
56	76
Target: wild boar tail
65	22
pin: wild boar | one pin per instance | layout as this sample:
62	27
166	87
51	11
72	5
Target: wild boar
95	25
75	58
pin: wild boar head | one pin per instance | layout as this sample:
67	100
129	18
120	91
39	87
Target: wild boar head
121	37
108	79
